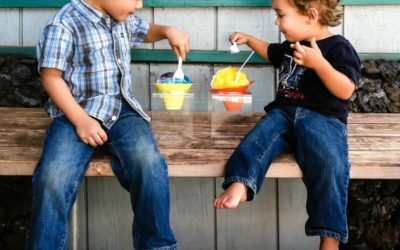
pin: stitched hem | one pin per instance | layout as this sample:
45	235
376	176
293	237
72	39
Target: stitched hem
171	247
326	233
248	182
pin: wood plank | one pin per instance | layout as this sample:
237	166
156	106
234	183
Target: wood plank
34	138
293	215
196	163
195	56
109	215
10	27
253	225
161	55
202	34
373	118
214	130
78	222
360	139
38	113
223	123
202	150
180	3
192	215
376	19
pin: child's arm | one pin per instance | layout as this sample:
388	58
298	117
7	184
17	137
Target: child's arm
259	46
87	128
336	82
178	40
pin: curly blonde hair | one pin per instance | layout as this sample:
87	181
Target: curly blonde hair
329	11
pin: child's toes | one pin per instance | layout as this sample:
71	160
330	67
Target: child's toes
217	203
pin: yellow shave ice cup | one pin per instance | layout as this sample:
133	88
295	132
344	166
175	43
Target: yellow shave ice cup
173	94
173	101
173	87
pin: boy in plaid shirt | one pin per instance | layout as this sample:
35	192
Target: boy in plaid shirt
84	60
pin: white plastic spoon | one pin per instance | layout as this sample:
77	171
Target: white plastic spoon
234	48
179	75
240	69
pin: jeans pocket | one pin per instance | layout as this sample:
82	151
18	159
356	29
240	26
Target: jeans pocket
338	125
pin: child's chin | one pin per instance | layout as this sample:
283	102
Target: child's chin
289	39
121	18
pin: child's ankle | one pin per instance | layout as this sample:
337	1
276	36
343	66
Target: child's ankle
329	243
239	185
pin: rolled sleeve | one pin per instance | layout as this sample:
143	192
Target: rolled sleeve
138	30
346	61
55	48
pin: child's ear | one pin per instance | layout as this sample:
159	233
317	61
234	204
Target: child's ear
313	15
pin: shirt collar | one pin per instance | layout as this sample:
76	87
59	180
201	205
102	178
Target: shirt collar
88	11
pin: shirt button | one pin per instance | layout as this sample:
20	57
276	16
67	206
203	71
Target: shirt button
119	61
113	118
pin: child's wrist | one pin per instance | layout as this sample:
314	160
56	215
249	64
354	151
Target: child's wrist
78	117
167	31
321	64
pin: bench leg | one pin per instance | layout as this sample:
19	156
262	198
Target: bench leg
77	223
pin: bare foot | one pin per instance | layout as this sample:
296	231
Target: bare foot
328	243
232	197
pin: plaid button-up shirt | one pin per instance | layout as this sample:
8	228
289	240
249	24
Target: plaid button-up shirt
93	51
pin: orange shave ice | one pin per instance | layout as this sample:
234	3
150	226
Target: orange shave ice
225	79
223	83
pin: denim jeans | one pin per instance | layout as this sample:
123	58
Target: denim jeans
320	147
137	164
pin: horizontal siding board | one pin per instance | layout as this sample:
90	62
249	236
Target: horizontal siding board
370	2
10	27
32	3
195	56
198	23
369	28
18	51
259	22
145	55
253	225
179	3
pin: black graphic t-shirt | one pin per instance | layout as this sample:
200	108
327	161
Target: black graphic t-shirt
301	86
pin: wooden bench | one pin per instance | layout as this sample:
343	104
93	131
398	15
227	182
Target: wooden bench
197	144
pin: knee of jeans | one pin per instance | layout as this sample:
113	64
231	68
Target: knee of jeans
151	157
143	152
52	182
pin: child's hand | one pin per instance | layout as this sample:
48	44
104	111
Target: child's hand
306	56
239	38
179	42
90	131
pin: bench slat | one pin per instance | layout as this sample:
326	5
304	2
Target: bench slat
34	138
218	127
210	163
198	144
36	113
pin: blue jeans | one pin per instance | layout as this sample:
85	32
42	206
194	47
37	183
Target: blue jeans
320	147
137	164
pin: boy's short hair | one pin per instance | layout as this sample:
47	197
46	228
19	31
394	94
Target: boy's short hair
329	11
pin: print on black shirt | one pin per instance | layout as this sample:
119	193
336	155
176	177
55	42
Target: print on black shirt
301	86
290	74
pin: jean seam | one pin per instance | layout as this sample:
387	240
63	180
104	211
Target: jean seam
324	233
68	201
123	164
266	149
345	199
160	248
